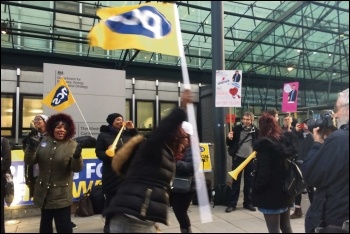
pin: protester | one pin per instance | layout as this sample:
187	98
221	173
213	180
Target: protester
272	150
326	168
143	197
5	167
58	156
38	131
274	113
305	141
287	122
108	134
241	139
180	202
31	172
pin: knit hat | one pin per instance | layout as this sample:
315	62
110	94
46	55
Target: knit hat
44	117
110	119
187	127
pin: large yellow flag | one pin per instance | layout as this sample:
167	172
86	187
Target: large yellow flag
149	26
60	97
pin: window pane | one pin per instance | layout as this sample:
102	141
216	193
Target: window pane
6	111
127	110
145	115
32	106
165	109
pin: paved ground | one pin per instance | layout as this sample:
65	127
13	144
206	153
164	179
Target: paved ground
239	221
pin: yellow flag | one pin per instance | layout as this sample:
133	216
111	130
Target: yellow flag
60	97
149	26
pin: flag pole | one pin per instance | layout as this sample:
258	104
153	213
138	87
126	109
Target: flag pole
78	108
202	192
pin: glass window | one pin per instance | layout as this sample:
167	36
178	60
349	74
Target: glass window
144	115
127	110
165	109
32	106
6	114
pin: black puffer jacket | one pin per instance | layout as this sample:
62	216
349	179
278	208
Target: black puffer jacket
110	180
267	185
144	193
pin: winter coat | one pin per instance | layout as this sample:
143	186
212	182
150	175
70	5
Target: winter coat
234	143
267	191
327	169
5	161
53	187
110	180
184	167
304	144
144	192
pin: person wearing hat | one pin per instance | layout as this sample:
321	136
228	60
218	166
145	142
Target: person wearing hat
180	202
108	133
38	131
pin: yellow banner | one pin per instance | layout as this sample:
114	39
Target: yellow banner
60	96
149	26
205	156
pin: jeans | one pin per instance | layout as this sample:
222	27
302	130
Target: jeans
236	184
122	224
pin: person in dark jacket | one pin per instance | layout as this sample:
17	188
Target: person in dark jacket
272	150
240	142
305	141
110	180
58	156
180	202
5	167
326	168
143	197
38	130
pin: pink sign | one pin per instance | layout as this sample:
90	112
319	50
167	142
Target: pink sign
290	97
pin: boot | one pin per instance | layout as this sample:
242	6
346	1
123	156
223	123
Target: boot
186	230
297	214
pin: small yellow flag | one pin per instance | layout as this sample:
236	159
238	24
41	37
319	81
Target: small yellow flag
60	96
149	26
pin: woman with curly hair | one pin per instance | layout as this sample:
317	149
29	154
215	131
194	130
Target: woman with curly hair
58	156
272	149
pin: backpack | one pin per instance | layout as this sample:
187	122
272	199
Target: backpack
222	194
293	183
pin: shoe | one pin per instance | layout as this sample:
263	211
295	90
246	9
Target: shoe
74	226
250	207
297	214
230	209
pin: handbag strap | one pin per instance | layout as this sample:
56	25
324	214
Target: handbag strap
245	138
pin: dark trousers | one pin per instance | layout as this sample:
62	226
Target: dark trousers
108	199
310	193
180	203
2	204
62	219
236	184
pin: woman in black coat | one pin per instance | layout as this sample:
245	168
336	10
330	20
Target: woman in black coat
143	197
273	148
184	168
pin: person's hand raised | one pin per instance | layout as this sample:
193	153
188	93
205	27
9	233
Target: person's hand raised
186	97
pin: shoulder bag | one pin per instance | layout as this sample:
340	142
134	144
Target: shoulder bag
182	184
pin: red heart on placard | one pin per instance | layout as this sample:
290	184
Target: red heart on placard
233	91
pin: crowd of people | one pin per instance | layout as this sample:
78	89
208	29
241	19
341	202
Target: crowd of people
138	199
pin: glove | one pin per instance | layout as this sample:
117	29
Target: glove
77	153
33	143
